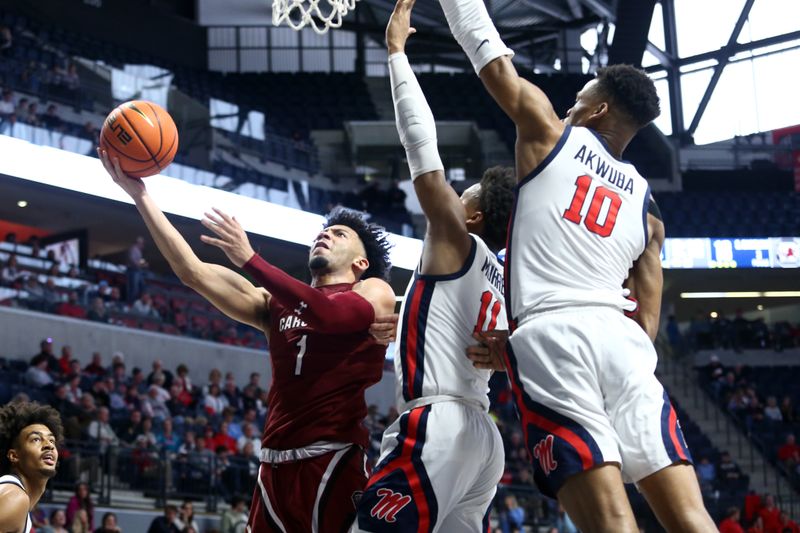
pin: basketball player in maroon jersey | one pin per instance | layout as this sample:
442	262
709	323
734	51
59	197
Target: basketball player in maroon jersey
323	357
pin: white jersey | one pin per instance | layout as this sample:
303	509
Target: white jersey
438	317
14	480
579	223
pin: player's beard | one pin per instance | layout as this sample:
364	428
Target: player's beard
318	262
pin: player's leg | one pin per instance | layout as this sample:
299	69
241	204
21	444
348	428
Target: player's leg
471	513
339	490
674	496
432	457
595	500
653	449
574	448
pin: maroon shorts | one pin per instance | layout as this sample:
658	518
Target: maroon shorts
318	494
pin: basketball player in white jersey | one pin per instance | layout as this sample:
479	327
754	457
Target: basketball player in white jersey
441	460
29	433
582	373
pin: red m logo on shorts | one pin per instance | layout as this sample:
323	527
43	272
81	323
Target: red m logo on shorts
544	452
389	505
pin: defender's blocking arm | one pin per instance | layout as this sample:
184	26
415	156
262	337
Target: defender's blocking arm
538	126
447	242
225	289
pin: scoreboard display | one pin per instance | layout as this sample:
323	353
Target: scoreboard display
768	252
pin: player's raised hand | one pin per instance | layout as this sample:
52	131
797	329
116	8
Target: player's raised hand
399	28
489	354
231	237
384	329
133	186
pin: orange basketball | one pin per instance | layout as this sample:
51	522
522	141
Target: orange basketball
142	135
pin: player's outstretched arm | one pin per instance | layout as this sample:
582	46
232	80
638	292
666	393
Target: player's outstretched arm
538	126
14	503
343	312
447	242
646	279
225	289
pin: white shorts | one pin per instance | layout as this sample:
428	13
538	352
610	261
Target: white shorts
438	471
584	385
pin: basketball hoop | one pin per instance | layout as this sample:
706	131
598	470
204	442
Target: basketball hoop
301	13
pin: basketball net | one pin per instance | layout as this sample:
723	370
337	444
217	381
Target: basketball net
301	13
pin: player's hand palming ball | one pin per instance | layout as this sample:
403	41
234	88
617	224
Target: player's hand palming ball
142	136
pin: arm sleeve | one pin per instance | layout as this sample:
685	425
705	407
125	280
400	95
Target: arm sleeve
343	312
414	118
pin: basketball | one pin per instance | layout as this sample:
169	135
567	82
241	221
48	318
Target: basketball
142	135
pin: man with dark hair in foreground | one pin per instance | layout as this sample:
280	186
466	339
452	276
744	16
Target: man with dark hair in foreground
29	433
584	224
323	356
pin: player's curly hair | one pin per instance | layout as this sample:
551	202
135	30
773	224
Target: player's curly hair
16	416
373	237
631	89
496	200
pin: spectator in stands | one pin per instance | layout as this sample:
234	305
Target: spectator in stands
90	132
231	392
235	518
51	296
234	427
80	524
46	354
118	373
133	399
214	402
74	392
731	522
71	79
6	39
787	525
109	524
71	307
50	119
101	432
116	398
10	272
35	293
770	514
97	311
179	403
100	390
65	359
136	267
33	118
184	384
37	375
168	440
21	111
728	470
186	518
95	369
81	501
131	428
789	453
787	410
706	475
512	516
62	403
249	435
159	370
772	411
144	307
154	405
138	382
166	523
6	110
58	522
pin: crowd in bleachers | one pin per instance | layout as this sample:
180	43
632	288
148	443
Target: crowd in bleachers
32	279
710	331
763	401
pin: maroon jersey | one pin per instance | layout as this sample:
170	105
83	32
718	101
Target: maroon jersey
318	380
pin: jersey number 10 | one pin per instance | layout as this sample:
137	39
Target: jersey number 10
573	214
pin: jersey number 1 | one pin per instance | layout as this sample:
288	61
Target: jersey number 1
298	366
573	214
